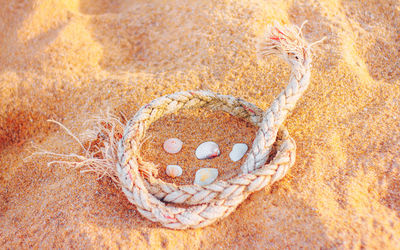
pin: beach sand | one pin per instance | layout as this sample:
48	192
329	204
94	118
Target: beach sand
68	60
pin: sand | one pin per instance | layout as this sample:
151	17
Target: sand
194	127
69	60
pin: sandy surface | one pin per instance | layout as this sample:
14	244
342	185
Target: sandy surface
69	59
194	127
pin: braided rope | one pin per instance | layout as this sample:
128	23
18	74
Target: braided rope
217	200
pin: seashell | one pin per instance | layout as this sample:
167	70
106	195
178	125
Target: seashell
173	145
205	176
173	171
238	151
207	150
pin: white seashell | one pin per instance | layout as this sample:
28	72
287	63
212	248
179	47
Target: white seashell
173	171
238	151
173	145
207	150
205	176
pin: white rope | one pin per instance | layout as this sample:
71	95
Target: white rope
217	200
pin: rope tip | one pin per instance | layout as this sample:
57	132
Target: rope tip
286	41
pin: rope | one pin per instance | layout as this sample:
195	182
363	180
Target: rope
155	199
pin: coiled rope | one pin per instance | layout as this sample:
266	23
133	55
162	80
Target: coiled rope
156	199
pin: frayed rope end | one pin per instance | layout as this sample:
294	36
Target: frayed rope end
286	41
99	144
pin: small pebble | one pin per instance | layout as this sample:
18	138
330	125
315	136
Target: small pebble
173	145
238	151
207	150
205	176
173	171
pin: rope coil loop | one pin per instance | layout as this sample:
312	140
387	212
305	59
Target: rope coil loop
155	199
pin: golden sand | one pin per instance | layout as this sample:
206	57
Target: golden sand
69	59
